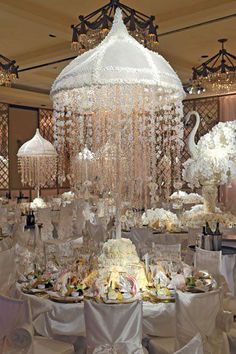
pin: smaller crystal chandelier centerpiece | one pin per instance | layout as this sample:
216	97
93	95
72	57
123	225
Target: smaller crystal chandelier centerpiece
217	73
8	71
37	160
93	28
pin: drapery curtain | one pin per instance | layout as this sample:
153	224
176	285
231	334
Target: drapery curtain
228	112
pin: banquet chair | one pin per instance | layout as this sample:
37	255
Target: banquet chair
167	252
142	238
113	328
208	260
96	231
161	345
65	224
232	339
199	313
16	331
193	347
214	263
8	270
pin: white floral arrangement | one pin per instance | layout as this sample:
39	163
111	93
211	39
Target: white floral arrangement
215	158
68	196
161	217
187	198
38	203
118	252
129	220
197	216
120	255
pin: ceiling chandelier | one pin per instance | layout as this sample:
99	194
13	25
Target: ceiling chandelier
8	71
93	28
217	73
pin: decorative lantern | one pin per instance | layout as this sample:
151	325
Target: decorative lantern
123	95
37	159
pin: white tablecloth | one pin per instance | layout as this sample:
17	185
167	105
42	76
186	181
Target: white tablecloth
57	320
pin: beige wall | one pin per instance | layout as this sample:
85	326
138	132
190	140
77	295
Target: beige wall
22	125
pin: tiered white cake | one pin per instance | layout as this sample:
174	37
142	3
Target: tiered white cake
119	255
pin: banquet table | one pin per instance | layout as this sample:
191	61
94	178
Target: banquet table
66	321
141	234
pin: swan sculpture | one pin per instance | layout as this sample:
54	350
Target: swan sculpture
214	156
192	146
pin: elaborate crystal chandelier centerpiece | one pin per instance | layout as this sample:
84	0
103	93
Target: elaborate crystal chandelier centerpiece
124	102
217	73
93	28
8	71
37	159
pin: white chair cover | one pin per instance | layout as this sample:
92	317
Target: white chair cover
8	270
193	347
15	330
232	339
79	219
196	313
228	270
113	328
140	235
65	225
96	232
208	260
6	244
161	345
44	217
167	252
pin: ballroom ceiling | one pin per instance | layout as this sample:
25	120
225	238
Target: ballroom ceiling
26	25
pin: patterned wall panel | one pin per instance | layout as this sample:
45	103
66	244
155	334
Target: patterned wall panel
46	129
46	124
4	158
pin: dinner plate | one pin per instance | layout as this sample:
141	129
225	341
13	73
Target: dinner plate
124	301
65	299
33	291
195	290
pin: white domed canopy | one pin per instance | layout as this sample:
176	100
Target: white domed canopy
120	59
37	146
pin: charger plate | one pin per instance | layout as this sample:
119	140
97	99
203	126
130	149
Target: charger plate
64	299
